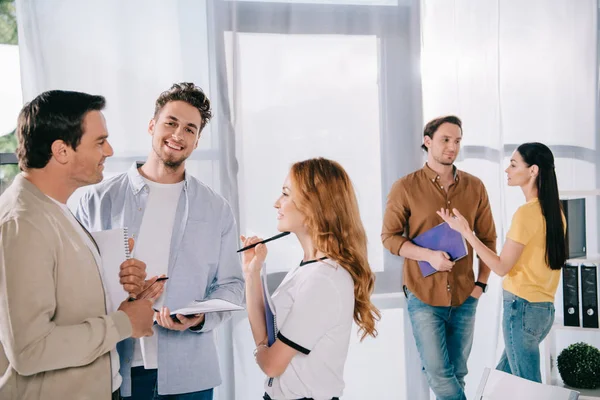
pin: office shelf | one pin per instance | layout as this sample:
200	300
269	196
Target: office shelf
585	394
575	193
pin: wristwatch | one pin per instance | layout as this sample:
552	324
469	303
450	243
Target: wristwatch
482	285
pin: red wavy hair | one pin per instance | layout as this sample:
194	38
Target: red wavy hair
325	195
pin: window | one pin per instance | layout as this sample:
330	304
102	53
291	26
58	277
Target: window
10	96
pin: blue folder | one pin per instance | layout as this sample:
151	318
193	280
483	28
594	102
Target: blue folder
441	237
270	314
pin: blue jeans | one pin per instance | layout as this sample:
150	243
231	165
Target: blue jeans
525	325
144	387
444	336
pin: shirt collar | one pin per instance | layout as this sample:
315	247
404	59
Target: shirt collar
137	181
433	176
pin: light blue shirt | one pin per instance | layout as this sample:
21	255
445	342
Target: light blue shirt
203	264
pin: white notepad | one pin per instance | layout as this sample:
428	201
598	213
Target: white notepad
114	249
206	306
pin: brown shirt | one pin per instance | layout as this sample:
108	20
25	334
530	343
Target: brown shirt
411	210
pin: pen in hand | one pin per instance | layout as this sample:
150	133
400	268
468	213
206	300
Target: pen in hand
162	278
263	241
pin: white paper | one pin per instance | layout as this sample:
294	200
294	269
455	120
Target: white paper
113	251
207	306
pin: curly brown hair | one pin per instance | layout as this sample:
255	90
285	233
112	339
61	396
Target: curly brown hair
191	94
327	198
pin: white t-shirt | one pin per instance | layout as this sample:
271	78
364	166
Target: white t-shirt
315	307
114	357
153	247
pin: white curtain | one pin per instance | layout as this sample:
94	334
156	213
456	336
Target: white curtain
338	79
130	52
288	81
127	51
515	72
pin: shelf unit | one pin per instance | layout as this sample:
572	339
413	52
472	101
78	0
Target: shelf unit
584	394
579	193
592	259
550	352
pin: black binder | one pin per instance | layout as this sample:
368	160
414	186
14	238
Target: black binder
570	275
589	295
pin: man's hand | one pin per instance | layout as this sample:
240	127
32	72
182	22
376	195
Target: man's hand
132	274
163	318
440	260
152	289
140	315
477	292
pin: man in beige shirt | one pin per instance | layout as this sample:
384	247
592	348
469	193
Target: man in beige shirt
442	306
57	333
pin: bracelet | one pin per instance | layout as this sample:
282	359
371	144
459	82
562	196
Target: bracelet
258	347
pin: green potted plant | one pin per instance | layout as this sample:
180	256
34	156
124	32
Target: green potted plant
579	366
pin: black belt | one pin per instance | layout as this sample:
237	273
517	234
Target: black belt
267	397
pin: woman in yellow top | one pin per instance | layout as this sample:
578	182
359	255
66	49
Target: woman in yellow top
532	256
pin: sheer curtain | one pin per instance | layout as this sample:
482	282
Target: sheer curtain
337	80
288	81
130	52
351	80
515	72
127	51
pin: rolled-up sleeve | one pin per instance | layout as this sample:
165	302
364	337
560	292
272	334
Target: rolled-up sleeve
395	218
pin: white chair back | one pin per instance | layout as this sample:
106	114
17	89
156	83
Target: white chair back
498	385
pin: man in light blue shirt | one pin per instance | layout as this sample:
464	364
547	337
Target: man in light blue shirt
183	230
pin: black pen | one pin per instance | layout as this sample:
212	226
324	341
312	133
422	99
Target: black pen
162	278
263	241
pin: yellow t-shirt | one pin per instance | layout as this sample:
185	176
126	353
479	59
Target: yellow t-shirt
531	278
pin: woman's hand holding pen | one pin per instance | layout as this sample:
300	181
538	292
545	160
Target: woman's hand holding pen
253	259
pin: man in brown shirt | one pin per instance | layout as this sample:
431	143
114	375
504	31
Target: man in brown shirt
441	306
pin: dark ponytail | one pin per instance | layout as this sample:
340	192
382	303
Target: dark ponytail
540	155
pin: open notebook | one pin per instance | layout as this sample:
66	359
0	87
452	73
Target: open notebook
203	307
114	249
